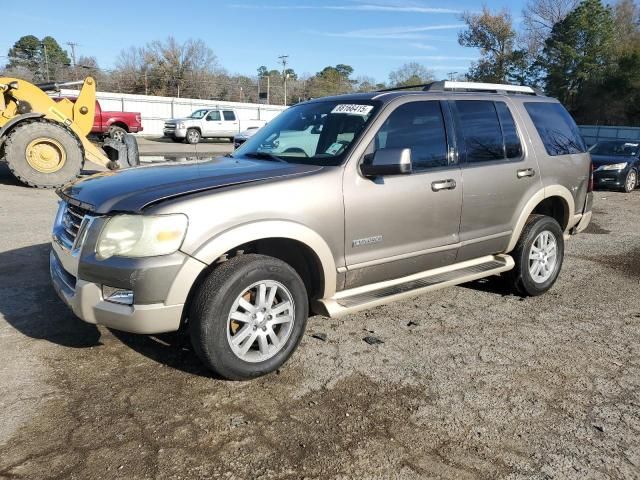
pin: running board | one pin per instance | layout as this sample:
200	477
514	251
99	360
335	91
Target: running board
355	299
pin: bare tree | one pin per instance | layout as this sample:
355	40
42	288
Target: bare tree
539	17
411	73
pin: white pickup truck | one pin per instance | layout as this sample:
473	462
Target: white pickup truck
207	123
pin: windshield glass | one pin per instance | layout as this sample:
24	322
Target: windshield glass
617	148
198	114
318	133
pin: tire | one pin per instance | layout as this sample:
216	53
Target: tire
57	141
630	181
117	133
521	277
193	136
133	153
212	330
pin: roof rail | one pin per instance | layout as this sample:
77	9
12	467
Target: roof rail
442	86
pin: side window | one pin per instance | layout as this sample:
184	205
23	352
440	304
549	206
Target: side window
481	129
213	116
229	115
556	128
512	146
420	127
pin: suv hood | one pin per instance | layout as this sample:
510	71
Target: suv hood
134	189
599	160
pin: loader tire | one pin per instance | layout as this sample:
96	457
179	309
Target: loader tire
43	154
133	153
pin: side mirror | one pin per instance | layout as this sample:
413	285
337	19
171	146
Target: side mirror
388	161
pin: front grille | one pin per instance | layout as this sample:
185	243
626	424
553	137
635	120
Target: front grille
170	126
70	224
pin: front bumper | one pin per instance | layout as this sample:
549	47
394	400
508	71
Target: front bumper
603	179
86	301
175	132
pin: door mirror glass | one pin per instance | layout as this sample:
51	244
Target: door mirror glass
388	161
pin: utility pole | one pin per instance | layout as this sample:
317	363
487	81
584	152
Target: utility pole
283	61
451	74
46	62
268	86
73	46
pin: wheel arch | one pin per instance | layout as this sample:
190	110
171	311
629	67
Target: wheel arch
555	201
294	243
119	123
17	120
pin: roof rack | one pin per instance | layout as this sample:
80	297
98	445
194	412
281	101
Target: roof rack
447	85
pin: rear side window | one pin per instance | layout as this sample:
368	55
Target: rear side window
512	145
556	128
481	130
228	115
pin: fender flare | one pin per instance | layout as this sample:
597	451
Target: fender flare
539	196
211	250
17	119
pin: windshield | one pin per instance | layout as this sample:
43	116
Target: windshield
318	133
617	148
198	114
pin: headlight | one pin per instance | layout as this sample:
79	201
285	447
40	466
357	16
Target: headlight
181	125
141	235
615	166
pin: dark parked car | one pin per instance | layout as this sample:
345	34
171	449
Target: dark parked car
616	164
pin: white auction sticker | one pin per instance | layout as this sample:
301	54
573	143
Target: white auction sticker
353	109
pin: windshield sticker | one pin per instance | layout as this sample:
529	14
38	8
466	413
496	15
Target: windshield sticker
334	148
353	109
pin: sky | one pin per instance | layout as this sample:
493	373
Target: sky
373	36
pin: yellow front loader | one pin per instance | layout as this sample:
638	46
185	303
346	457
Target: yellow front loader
45	141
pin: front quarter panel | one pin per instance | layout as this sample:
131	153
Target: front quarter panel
308	208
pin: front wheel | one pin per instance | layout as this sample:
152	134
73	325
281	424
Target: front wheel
193	136
631	181
248	316
538	256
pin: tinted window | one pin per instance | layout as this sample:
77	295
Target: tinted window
214	116
512	146
557	129
229	115
420	127
481	130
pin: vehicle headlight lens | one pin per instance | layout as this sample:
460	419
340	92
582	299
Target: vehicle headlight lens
141	235
181	125
615	166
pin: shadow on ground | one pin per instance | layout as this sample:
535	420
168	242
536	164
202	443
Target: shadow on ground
29	304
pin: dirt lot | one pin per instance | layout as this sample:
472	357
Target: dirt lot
470	382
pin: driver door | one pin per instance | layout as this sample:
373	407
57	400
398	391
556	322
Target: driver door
404	224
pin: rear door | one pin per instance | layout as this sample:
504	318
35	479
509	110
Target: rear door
403	224
499	172
230	121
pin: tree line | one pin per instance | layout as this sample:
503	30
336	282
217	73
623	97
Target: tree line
584	52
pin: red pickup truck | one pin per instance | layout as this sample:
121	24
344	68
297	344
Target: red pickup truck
114	124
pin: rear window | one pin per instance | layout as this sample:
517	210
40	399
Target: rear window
229	115
558	131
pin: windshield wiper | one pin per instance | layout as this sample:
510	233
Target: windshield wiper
265	156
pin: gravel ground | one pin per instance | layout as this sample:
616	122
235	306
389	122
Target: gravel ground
470	382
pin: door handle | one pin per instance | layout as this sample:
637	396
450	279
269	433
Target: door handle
438	185
526	172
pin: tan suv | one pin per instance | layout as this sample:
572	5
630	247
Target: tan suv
337	205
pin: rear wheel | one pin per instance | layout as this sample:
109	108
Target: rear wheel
117	133
193	136
248	316
631	181
538	256
43	155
